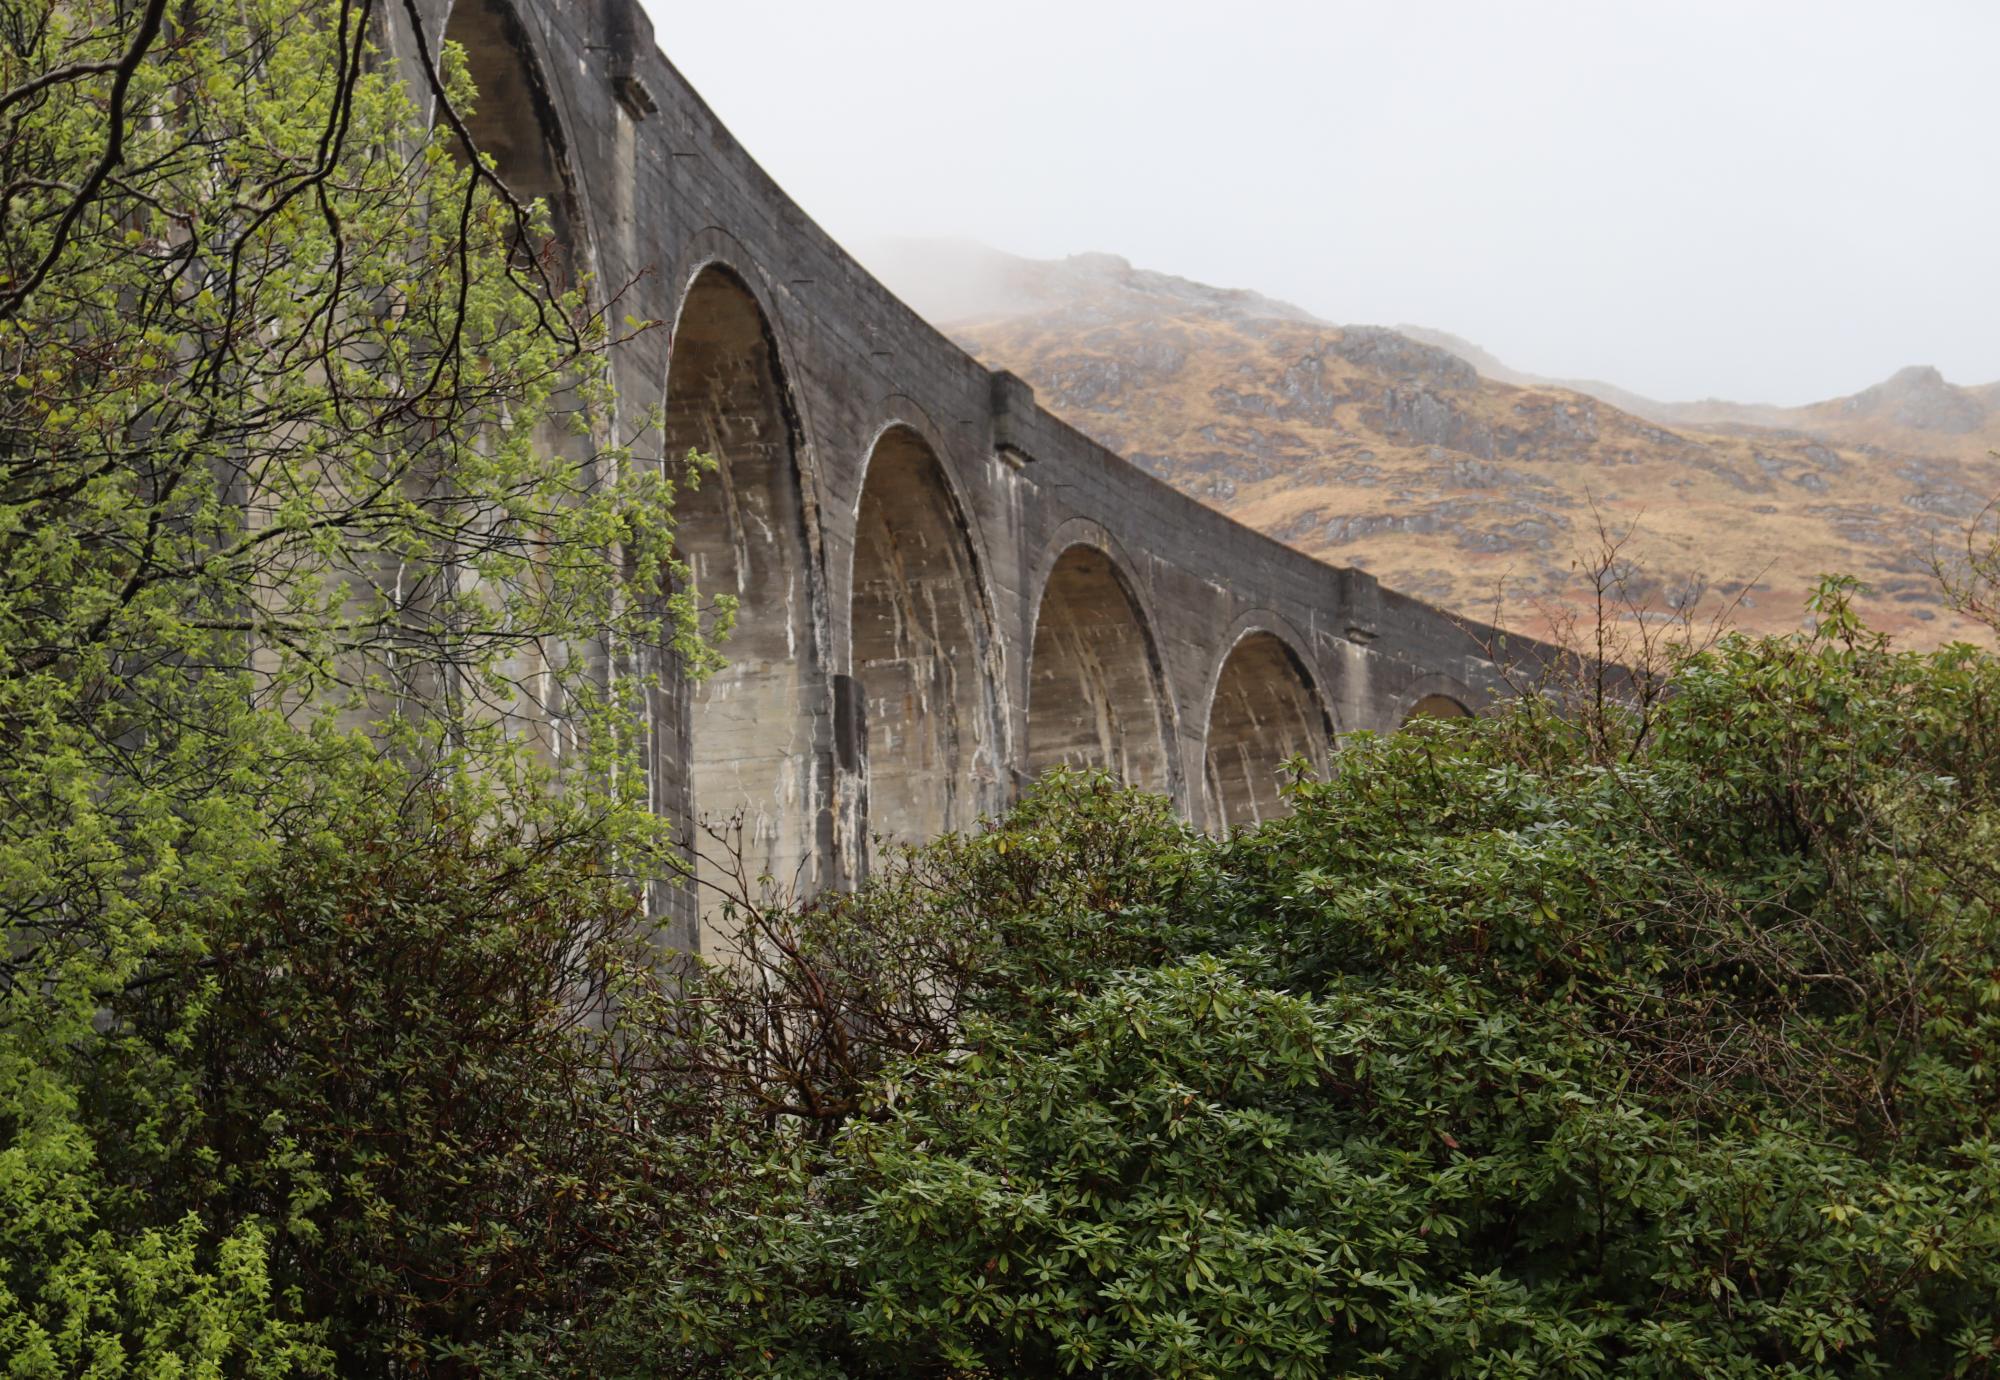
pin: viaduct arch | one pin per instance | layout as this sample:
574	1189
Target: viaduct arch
732	445
939	588
1096	696
1264	711
514	120
921	644
1437	696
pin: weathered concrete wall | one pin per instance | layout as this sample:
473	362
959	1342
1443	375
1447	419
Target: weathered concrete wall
941	588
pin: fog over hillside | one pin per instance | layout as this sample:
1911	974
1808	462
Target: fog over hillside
952	280
948	281
1426	459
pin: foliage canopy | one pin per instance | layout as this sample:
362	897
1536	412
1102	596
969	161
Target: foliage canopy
298	434
1506	1054
331	1037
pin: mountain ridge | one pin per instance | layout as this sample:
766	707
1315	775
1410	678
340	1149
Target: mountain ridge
1468	483
1916	398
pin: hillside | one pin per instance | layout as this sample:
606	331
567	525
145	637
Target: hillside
1915	409
1457	480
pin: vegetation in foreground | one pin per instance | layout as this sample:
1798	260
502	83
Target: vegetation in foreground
1548	1044
1520	1048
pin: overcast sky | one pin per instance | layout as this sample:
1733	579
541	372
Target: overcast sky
1755	199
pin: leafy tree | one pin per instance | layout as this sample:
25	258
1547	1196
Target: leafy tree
298	431
399	1061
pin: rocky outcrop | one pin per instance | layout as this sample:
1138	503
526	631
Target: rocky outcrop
1919	399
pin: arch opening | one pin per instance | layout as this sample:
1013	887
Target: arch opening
1264	713
513	120
919	638
1435	707
754	764
1093	694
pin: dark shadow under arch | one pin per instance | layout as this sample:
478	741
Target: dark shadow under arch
513	119
920	634
1094	695
754	726
1265	711
1435	707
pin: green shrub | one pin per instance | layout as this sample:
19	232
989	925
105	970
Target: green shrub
1504	1054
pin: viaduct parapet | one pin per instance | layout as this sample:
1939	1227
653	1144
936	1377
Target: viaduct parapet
942	589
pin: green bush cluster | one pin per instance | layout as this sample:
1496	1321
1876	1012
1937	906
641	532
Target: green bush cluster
334	1040
1502	1055
309	500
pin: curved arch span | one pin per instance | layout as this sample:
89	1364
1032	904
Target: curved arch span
513	119
1094	693
1265	711
920	639
755	766
1433	707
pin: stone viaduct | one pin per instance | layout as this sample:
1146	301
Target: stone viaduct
942	589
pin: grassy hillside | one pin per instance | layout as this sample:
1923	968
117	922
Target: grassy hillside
1369	447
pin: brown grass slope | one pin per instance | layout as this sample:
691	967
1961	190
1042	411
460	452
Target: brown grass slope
1364	446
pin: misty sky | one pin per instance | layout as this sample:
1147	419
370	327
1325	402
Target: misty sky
1757	199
